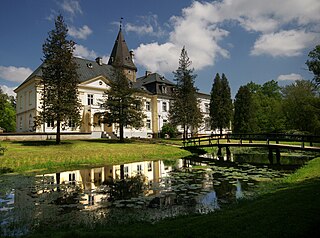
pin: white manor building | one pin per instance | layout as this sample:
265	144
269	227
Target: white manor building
94	77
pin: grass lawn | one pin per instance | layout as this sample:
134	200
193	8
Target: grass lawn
45	156
289	207
286	208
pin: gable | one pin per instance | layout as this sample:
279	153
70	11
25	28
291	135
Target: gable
99	82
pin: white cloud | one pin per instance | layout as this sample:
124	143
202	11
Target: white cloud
289	77
149	26
14	74
71	6
195	30
285	28
141	30
8	90
105	58
81	33
83	52
284	43
156	57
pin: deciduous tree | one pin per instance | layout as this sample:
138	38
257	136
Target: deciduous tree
7	112
314	64
298	107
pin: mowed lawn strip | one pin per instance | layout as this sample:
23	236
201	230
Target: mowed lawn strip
31	156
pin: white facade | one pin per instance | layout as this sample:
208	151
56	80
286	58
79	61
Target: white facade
94	77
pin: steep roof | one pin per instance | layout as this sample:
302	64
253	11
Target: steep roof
120	54
87	69
151	78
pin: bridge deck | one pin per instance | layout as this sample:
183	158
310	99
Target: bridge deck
263	145
271	141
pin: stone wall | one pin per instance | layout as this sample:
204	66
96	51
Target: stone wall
43	136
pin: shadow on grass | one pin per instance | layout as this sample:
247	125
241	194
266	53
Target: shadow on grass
5	170
41	143
198	151
109	141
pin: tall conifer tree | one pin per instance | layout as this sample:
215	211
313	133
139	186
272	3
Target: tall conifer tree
184	109
60	101
243	111
220	103
122	103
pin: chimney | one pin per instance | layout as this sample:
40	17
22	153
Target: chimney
132	55
99	60
148	73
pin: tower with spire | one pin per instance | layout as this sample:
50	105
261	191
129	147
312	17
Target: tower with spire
122	57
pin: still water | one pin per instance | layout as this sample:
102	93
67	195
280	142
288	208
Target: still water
116	194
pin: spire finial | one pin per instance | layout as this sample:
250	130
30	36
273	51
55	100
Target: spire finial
121	22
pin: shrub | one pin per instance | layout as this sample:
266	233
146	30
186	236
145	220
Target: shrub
168	130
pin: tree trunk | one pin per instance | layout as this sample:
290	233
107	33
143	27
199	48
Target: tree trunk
121	133
121	171
58	140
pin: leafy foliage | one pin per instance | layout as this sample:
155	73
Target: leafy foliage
184	109
220	103
300	113
122	103
314	64
60	79
168	129
7	112
267	107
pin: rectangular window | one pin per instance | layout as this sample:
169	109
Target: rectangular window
139	169
50	123
30	95
207	108
126	171
164	106
207	124
90	99
20	102
71	123
148	124
149	166
148	106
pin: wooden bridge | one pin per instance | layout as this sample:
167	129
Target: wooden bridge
272	142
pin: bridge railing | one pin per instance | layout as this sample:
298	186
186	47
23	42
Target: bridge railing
266	137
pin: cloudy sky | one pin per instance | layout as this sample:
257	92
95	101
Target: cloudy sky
248	40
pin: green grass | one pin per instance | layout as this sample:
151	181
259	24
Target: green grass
45	156
287	208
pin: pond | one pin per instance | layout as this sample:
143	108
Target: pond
119	194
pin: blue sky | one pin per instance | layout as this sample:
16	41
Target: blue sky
248	40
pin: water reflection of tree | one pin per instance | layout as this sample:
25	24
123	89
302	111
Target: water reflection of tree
126	188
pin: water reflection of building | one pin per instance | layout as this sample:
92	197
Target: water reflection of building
90	180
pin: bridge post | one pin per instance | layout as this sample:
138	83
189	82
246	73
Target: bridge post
228	153
219	154
278	155
270	156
